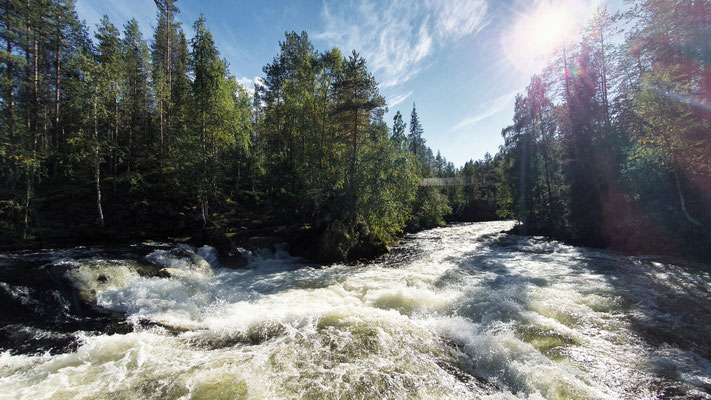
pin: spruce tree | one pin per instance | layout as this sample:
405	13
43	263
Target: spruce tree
399	137
417	142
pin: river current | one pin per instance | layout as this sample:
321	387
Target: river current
460	312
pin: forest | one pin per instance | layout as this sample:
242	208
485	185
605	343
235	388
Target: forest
611	145
121	137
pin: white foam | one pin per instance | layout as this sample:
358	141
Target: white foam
94	277
209	253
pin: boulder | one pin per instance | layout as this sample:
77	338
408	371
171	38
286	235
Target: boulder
235	258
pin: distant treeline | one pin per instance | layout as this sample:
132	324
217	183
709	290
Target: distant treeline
117	136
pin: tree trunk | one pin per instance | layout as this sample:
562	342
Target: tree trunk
97	182
605	102
116	139
203	209
548	177
353	162
28	66
11	87
145	120
168	69
203	196
160	153
35	85
28	185
57	71
130	147
567	78
682	202
97	171
522	188
239	171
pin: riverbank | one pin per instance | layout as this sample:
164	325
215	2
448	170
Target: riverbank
62	215
248	220
643	236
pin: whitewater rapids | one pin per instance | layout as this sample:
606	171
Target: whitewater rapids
460	312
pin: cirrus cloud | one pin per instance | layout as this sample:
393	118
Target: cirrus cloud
399	98
397	37
487	110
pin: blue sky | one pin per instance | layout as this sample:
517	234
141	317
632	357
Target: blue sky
460	61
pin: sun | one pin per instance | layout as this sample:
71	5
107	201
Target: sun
546	31
539	31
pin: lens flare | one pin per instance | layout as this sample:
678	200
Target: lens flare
541	30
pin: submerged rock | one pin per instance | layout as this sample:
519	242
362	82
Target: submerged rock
175	273
91	277
181	258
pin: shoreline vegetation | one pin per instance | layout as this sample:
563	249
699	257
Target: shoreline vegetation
119	137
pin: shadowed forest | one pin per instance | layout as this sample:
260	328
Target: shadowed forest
118	136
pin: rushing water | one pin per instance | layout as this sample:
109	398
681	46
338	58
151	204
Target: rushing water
457	312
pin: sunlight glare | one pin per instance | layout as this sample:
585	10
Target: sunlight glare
539	31
548	29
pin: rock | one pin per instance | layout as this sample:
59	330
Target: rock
180	258
228	254
334	243
262	242
235	258
175	273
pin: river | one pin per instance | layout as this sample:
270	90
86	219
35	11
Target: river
460	312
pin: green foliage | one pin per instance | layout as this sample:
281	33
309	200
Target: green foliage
320	129
399	137
387	182
430	209
481	200
417	142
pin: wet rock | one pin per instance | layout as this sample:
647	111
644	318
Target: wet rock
334	243
229	255
262	242
88	277
174	273
237	258
41	308
182	259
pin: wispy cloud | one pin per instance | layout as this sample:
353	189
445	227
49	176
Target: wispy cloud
397	37
228	43
487	110
119	12
459	18
248	83
400	98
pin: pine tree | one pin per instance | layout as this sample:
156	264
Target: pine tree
358	95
